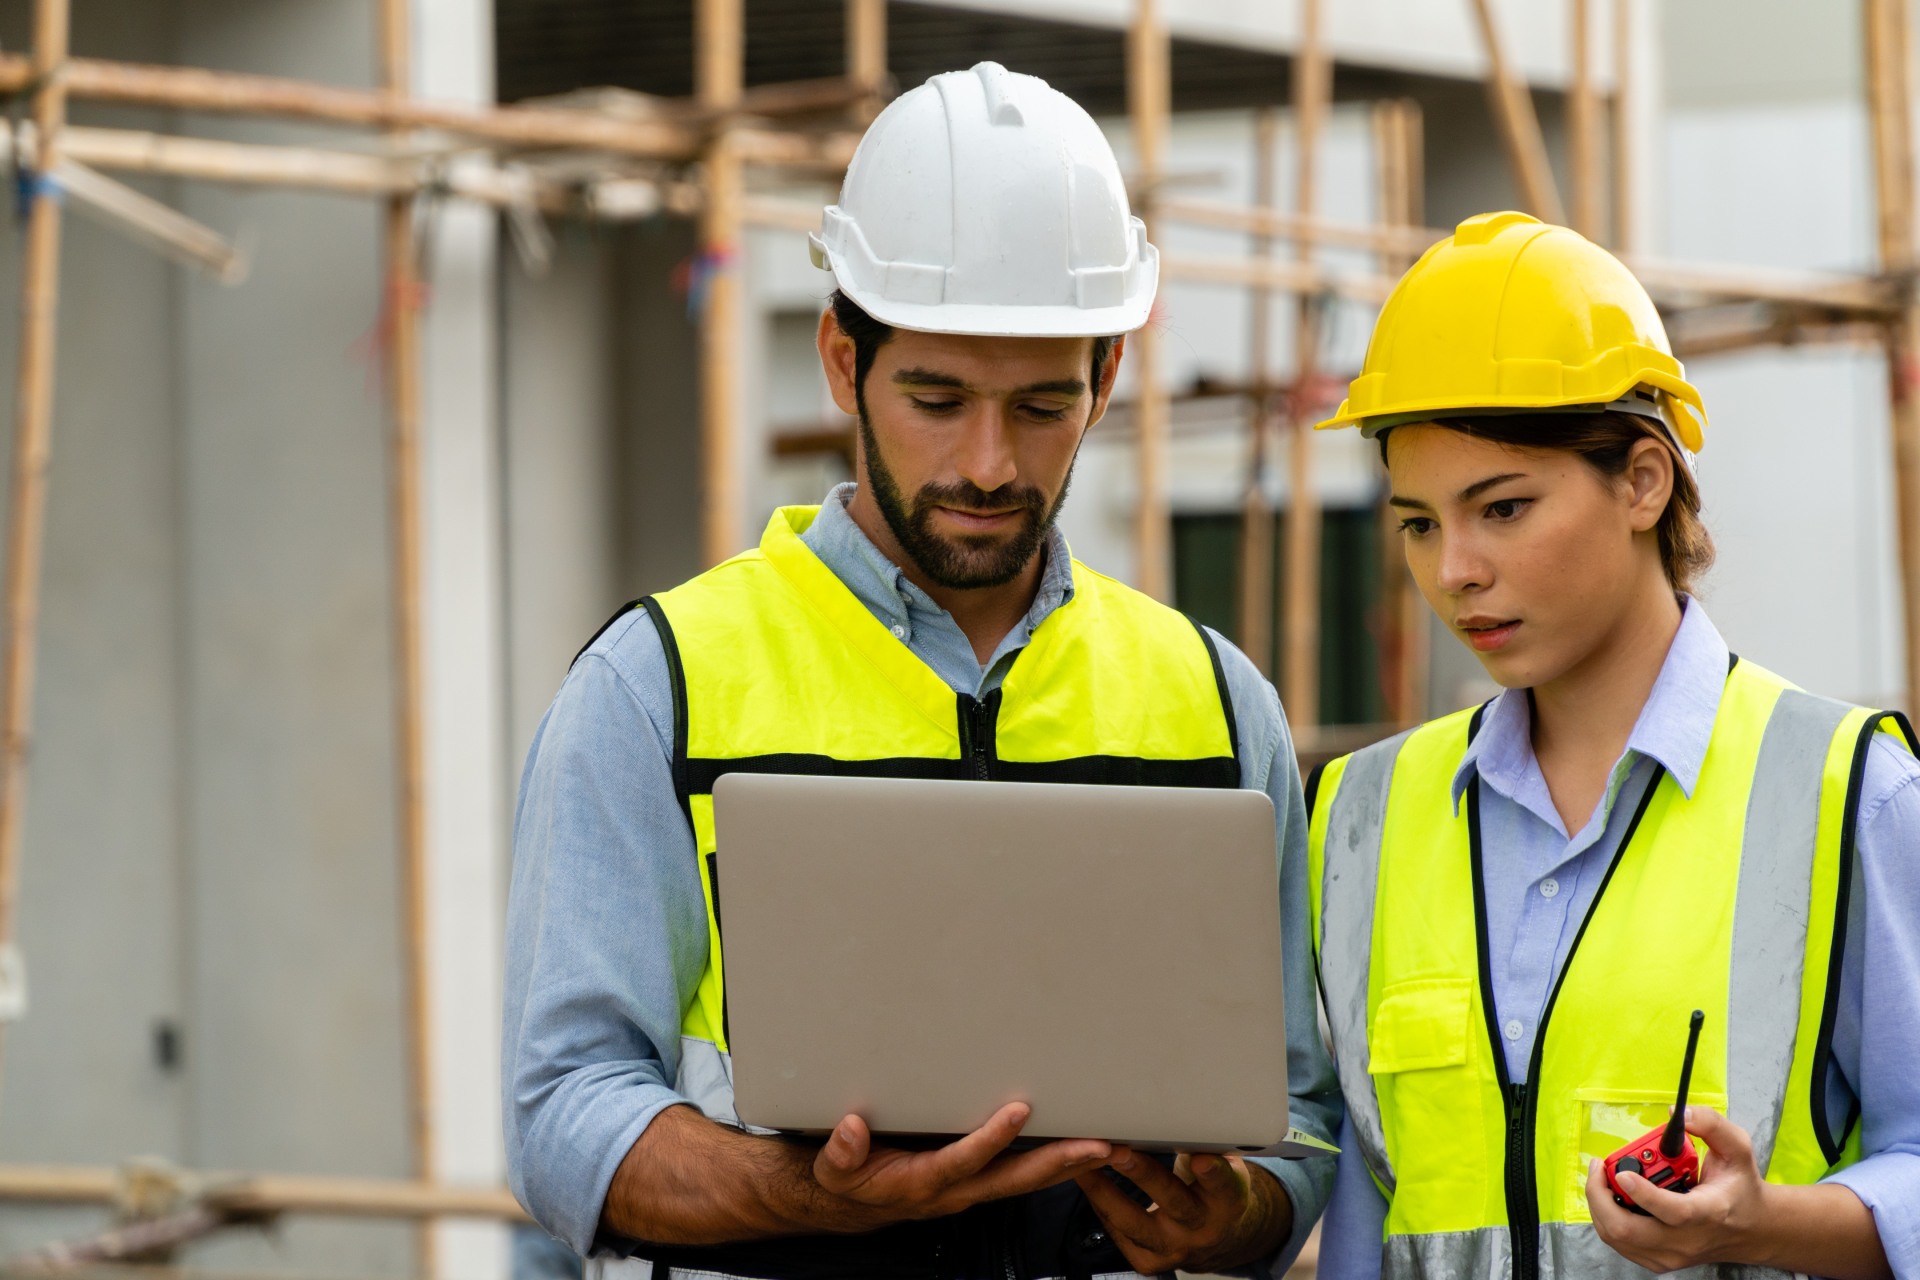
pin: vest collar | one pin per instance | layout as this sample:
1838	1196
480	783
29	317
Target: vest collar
816	584
1674	727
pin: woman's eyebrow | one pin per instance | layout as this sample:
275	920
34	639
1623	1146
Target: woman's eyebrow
1479	487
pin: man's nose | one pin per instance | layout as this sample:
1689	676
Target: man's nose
985	455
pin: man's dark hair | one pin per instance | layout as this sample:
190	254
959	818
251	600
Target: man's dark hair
869	335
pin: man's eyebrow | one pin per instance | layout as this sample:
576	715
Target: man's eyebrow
1058	387
929	378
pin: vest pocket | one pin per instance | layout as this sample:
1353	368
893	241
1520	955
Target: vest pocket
1601	1121
1432	1103
1421	1024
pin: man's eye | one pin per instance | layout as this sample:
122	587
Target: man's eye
935	406
1045	413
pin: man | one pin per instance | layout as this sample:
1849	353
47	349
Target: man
928	621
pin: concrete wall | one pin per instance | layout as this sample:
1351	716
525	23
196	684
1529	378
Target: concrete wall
1765	160
211	843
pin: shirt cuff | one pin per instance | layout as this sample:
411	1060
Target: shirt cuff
567	1193
1885	1183
1306	1183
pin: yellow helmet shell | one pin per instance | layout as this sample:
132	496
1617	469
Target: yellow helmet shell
1514	313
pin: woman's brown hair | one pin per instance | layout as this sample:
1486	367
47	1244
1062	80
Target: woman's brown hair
1604	441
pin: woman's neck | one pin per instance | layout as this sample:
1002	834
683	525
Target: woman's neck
1583	718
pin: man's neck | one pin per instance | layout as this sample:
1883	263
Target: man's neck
985	614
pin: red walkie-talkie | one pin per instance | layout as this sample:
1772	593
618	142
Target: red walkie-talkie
1662	1156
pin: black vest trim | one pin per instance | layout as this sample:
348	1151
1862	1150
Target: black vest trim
1226	705
1119	771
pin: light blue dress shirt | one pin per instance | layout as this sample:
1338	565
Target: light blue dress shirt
1540	882
607	928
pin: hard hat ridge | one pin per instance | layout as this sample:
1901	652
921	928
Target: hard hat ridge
987	202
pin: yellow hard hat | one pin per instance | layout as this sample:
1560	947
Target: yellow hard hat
1513	314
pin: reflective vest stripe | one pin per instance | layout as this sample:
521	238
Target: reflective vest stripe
1772	910
1356	817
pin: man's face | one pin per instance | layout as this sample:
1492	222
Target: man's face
967	444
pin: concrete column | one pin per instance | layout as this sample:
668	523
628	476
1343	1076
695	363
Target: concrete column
463	678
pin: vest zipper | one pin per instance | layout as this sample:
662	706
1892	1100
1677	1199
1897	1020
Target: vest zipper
977	716
1523	1227
1523	1100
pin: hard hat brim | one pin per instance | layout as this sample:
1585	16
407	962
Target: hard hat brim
985	321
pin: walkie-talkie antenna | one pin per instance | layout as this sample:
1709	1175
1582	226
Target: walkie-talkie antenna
1676	1132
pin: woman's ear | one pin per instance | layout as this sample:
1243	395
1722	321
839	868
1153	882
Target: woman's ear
1649	479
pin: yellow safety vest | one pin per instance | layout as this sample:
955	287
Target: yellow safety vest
1732	901
778	668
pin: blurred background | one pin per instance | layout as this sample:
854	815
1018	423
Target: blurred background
385	348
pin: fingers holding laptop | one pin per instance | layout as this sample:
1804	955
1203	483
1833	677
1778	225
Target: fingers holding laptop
1223	1213
918	1184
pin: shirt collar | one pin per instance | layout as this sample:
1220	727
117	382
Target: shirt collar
1674	727
880	584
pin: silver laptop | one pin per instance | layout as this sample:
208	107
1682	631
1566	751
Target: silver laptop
923	952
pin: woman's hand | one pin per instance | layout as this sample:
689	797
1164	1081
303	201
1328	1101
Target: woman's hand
1735	1216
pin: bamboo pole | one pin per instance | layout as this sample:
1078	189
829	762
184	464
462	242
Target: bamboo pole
1256	509
262	1194
1518	124
1149	101
1889	57
719	62
867	54
402	307
1312	93
1583	126
32	450
1622	131
227	92
1397	148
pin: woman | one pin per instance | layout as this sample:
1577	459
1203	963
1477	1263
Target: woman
1517	907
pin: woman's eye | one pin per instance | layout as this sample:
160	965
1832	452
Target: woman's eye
1506	508
1416	526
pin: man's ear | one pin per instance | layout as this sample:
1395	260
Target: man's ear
1109	374
838	360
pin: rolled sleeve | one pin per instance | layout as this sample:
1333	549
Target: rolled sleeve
1268	764
606	933
1875	1055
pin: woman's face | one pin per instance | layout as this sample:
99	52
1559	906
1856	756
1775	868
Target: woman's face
1530	556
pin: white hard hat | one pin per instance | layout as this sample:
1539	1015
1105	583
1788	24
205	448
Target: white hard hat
985	202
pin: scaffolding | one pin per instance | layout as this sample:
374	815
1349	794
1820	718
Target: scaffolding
630	155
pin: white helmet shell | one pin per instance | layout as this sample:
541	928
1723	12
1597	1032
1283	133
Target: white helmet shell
986	202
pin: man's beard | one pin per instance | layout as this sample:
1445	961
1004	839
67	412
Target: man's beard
986	560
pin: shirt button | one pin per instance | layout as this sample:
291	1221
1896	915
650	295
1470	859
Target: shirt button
1513	1029
1549	887
899	632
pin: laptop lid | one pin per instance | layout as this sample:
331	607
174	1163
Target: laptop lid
923	952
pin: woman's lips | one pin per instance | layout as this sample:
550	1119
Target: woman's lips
1488	638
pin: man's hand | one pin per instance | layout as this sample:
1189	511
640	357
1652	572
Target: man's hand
893	1185
1735	1216
1209	1212
688	1180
